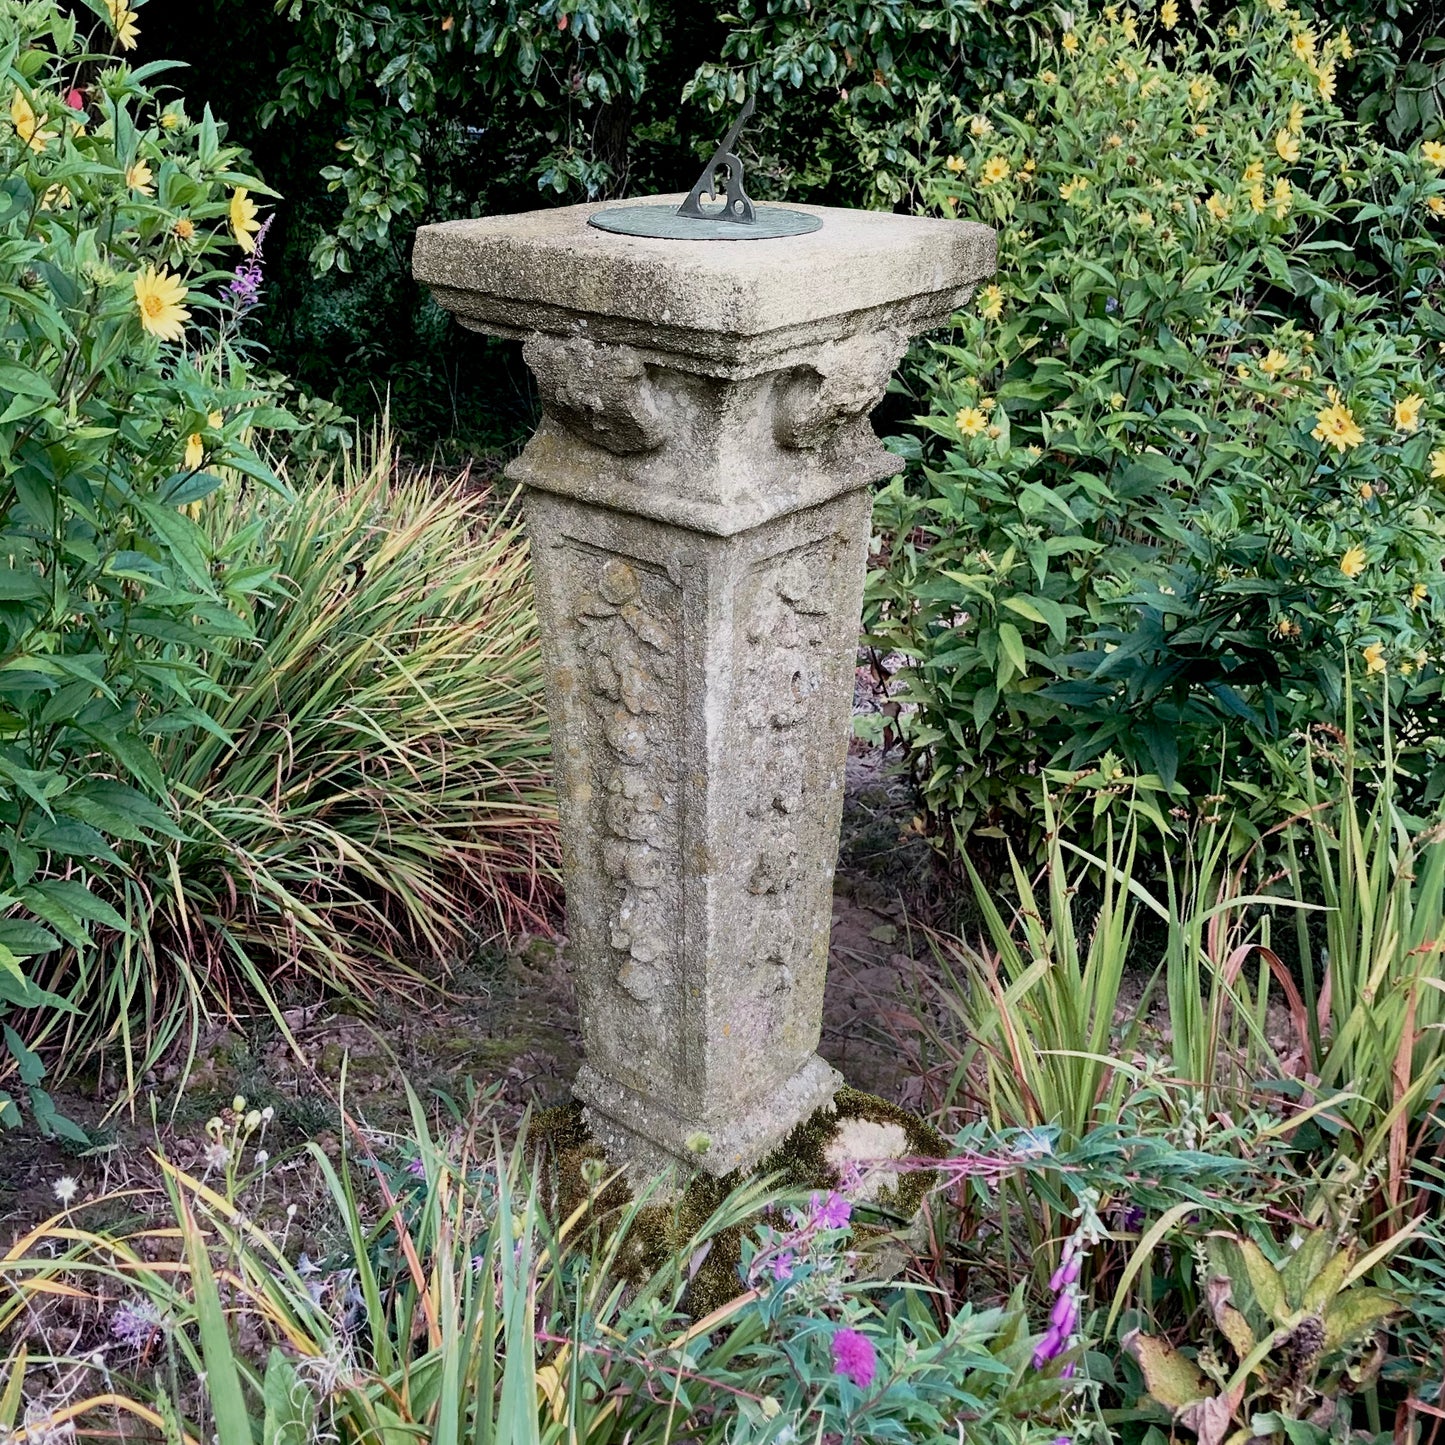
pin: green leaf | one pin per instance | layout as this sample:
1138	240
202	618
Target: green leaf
223	1381
289	1404
1012	644
1357	1312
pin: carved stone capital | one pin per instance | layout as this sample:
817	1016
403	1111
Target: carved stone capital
846	380
600	393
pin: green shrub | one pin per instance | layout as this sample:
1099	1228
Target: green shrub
1181	465
126	390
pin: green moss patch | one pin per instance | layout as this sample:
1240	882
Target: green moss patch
662	1232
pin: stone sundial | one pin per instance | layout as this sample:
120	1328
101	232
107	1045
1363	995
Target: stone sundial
697	502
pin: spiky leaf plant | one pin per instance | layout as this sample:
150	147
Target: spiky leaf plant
371	782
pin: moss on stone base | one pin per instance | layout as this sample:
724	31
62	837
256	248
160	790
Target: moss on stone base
662	1231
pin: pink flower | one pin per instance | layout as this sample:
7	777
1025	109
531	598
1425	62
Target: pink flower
74	99
854	1356
830	1211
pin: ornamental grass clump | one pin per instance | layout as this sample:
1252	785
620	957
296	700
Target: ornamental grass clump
445	1305
368	792
1180	466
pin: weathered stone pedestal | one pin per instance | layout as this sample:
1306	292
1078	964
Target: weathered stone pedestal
699	519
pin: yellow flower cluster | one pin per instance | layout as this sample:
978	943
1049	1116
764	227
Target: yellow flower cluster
28	126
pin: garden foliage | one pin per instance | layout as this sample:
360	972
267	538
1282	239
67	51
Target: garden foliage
1180	469
225	753
125	393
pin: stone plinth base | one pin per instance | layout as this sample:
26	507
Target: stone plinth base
623	1122
846	1139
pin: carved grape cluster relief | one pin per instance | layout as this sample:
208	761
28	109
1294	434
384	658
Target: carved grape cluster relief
628	656
787	640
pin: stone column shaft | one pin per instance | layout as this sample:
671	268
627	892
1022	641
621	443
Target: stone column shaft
699	517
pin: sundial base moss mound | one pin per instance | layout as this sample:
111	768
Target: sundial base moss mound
859	1129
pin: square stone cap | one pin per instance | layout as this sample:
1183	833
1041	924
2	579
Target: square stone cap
548	270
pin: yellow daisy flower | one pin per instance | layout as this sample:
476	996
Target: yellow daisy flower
995	169
1347	50
991	303
1437	465
1296	121
244	224
1275	363
955	164
1283	198
1130	26
139	178
1407	412
1418	593
1353	562
1303	45
1075	187
1435	205
971	422
184	228
28	126
122	21
1257	202
1325	78
1219	206
195	451
1169	14
1070	42
1337	427
1375	657
1049	77
980	126
158	295
1287	147
1253	173
1433	152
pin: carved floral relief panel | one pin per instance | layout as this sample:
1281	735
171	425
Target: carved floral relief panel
792	700
624	736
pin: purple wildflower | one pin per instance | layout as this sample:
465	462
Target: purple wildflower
1064	1316
830	1211
1053	1344
243	290
136	1324
1066	1274
416	1167
854	1356
783	1267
